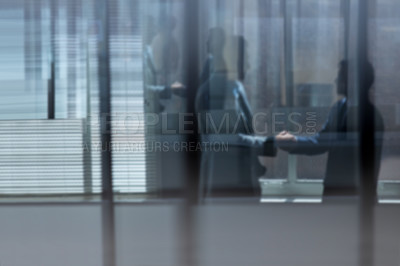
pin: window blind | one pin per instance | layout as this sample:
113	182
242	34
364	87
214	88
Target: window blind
44	157
130	173
62	156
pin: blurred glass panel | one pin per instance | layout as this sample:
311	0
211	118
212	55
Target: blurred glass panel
318	46
129	161
39	155
25	58
164	96
384	29
240	50
69	26
291	55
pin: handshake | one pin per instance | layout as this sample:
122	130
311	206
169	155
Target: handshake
267	146
285	136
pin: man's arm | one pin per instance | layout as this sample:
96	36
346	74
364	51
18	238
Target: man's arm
262	146
308	145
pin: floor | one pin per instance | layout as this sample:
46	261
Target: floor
226	234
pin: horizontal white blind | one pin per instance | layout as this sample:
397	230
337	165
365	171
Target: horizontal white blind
127	98
44	157
63	156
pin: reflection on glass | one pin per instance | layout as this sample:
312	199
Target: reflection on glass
384	46
273	62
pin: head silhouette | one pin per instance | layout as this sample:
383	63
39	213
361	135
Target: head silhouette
216	41
236	57
150	30
342	77
166	23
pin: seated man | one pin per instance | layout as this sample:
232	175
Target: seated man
339	137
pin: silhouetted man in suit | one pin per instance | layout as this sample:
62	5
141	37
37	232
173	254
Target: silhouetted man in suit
215	48
339	137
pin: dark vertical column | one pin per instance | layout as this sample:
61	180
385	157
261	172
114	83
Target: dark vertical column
87	132
104	73
187	212
191	50
51	98
287	11
87	156
366	115
367	145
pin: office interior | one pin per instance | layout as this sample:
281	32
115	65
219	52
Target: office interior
126	137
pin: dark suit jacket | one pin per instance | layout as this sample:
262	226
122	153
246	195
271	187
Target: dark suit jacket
340	139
